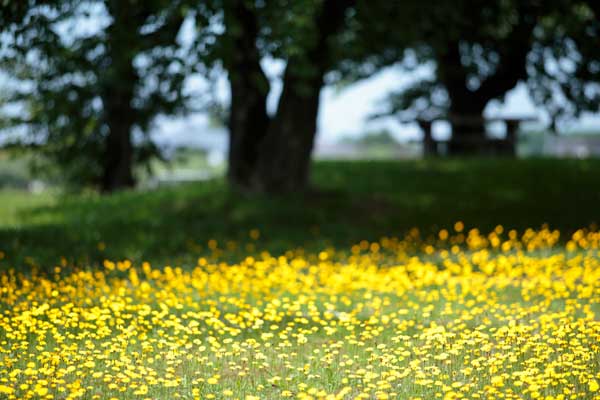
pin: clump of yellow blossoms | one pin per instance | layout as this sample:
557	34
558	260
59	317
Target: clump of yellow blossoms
459	315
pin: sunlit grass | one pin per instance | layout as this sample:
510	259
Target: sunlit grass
461	315
352	201
14	202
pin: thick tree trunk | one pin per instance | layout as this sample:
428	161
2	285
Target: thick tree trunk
248	123
466	109
248	118
429	145
465	105
285	151
119	113
287	147
468	127
273	156
118	159
118	149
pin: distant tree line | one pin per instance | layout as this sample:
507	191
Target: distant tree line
88	78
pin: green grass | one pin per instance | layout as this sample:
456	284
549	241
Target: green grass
14	169
354	201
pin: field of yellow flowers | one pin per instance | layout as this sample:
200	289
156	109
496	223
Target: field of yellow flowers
463	315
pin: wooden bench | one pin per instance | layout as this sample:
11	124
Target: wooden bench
476	144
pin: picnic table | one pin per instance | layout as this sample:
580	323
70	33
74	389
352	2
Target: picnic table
476	143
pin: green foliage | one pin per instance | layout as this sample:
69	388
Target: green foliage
79	82
564	63
478	51
551	46
81	67
425	99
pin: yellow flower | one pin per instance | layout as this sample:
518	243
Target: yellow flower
6	389
497	381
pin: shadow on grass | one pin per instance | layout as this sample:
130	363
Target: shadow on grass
356	200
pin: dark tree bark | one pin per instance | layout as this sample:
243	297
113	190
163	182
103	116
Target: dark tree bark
286	149
429	145
248	118
118	151
117	100
466	106
273	155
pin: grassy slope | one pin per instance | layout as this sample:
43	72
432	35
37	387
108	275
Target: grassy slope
357	200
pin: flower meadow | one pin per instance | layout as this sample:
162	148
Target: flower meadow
460	314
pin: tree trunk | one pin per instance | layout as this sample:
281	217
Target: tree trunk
118	159
284	153
248	121
287	147
248	118
465	106
273	156
468	127
119	113
429	145
118	150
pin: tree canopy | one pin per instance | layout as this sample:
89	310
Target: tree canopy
564	74
94	75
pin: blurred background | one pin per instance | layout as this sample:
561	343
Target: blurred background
212	119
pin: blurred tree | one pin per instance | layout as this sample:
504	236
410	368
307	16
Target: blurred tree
12	11
272	153
477	50
92	76
564	68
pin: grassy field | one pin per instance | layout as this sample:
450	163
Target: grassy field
394	280
355	201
